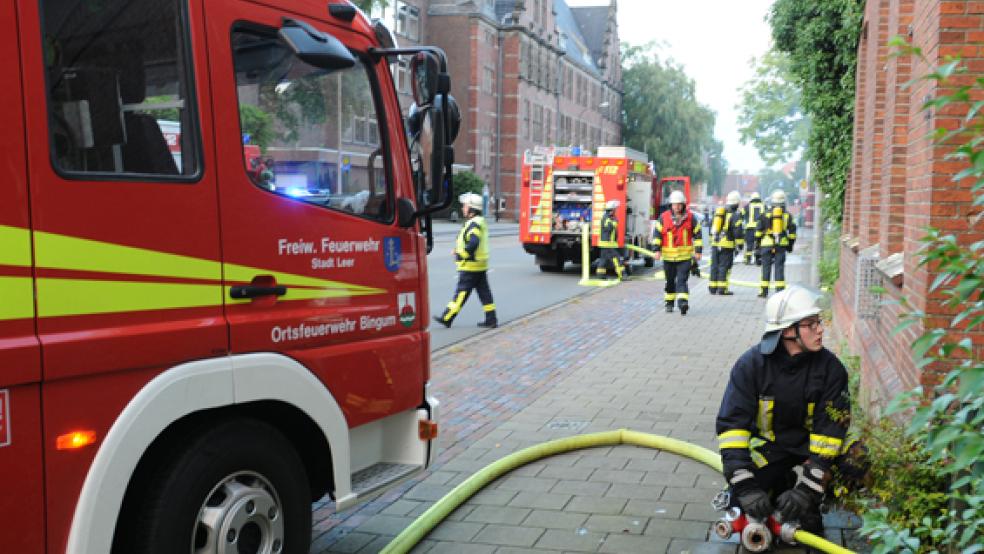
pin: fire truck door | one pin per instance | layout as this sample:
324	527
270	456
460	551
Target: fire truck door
21	504
315	265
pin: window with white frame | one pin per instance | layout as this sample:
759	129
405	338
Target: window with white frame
488	80
485	151
407	20
401	75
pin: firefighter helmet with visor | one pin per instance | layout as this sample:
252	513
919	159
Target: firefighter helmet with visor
785	309
676	197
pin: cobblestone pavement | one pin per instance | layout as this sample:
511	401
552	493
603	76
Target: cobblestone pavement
607	360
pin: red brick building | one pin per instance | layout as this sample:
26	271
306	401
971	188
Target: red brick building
901	183
526	73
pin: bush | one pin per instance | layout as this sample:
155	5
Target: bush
465	181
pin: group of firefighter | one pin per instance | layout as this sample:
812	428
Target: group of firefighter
782	424
766	233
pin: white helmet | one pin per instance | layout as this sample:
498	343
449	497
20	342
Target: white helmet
676	197
755	196
471	200
734	198
786	308
778	197
611	205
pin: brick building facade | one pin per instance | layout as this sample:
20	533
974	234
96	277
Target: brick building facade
901	183
524	73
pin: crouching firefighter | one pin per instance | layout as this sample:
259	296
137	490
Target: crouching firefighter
777	235
677	240
726	236
783	421
471	254
608	255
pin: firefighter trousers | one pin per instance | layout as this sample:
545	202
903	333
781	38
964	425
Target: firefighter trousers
468	281
676	282
609	258
773	257
751	248
721	261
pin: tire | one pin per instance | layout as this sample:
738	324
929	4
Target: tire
237	487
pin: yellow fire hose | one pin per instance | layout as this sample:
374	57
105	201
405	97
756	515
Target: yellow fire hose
443	507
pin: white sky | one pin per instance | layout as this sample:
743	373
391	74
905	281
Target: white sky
714	41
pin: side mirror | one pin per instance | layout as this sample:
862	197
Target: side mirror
432	152
425	70
314	47
406	212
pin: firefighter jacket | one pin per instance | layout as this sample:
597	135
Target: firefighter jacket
767	229
753	211
677	239
779	406
609	231
732	232
471	251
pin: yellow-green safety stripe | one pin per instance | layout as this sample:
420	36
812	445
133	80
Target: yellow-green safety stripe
16	298
824	445
736	438
15	246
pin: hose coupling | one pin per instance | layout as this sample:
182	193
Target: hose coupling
756	537
787	531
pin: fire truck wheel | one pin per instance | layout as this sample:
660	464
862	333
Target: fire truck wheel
238	487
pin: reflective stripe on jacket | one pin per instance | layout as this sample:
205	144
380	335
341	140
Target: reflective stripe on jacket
609	232
754	211
472	247
677	242
778	406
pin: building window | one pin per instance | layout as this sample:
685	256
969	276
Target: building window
526	119
488	80
407	20
401	75
547	127
537	124
485	151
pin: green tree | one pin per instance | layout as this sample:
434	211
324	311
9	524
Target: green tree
257	124
663	118
821	39
769	115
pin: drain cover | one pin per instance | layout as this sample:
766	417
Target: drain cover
566	425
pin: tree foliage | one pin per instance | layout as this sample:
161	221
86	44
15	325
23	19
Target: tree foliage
663	118
769	115
821	39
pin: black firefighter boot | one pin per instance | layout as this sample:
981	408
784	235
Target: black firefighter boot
684	306
669	306
491	322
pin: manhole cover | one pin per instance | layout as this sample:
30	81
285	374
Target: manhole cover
566	425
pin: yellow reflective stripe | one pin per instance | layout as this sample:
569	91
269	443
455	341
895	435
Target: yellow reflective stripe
16	298
317	288
488	308
758	459
809	415
15	246
63	297
65	252
736	438
764	418
824	445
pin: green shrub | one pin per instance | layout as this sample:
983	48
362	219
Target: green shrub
465	181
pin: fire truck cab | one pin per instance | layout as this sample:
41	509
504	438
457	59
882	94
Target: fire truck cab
213	285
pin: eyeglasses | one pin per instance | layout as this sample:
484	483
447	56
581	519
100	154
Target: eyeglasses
812	324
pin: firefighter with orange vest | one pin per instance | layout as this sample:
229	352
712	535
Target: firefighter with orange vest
471	254
726	236
753	211
776	234
677	240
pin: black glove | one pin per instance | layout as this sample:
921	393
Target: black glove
790	247
752	499
806	495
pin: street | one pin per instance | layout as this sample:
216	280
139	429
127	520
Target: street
518	287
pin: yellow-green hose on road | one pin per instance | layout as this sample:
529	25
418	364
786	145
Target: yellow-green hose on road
443	507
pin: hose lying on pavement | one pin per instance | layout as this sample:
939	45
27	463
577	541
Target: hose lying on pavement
440	510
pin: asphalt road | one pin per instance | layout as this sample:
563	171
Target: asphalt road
518	287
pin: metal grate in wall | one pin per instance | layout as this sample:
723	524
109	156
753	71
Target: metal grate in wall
868	283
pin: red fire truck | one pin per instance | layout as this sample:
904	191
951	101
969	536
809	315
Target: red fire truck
188	356
662	190
561	191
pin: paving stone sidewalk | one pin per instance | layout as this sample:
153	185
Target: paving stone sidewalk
611	359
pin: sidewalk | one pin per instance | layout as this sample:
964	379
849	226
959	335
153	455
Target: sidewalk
607	360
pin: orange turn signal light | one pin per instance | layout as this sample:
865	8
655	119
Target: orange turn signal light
427	430
75	440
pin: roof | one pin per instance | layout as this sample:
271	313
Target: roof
592	21
572	42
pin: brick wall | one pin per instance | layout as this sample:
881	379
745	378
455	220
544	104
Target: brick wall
901	181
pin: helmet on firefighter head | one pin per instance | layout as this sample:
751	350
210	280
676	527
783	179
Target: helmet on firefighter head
471	201
786	308
676	197
756	196
734	198
778	198
611	205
